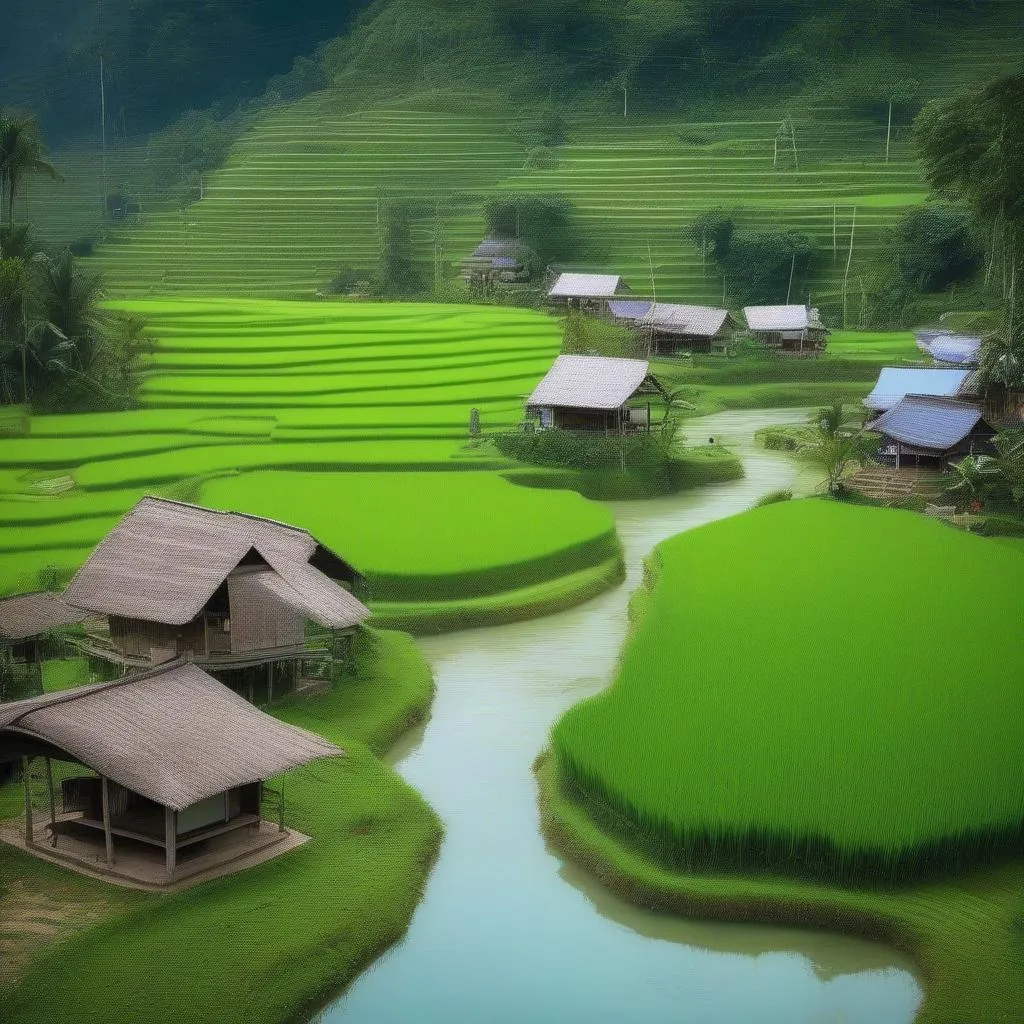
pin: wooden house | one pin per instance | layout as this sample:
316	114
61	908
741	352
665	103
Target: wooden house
672	328
496	261
896	382
950	349
232	592
795	329
931	432
596	393
176	764
586	292
24	619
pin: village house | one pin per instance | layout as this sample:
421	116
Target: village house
231	592
930	431
597	393
628	312
586	292
24	620
173	787
672	328
496	261
896	382
787	328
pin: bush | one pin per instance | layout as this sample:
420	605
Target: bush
773	497
577	450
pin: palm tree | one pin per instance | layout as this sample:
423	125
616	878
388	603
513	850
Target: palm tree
127	338
21	153
972	477
68	298
834	448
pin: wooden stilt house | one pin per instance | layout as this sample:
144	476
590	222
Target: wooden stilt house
789	329
24	620
596	393
586	292
234	593
672	328
176	762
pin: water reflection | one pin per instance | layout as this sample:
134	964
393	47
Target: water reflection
507	932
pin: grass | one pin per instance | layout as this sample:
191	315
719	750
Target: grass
965	934
283	936
753	619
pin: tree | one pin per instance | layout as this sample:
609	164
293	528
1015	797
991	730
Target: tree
21	153
68	297
543	224
972	478
1009	464
835	448
935	246
398	273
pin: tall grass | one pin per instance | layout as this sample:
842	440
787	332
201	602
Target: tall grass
817	689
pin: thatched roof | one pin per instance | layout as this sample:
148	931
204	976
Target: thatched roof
173	734
591	382
929	422
165	560
895	382
586	286
672	318
27	615
782	318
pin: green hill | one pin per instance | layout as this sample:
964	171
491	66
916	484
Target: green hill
431	108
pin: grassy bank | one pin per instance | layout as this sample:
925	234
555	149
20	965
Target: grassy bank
280	938
966	934
901	760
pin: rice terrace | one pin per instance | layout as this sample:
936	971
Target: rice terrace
511	512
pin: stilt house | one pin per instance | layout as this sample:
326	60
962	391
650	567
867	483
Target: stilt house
596	393
231	592
176	765
932	432
672	328
950	349
586	292
787	328
496	261
23	621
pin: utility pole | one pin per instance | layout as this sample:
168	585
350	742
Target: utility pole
792	267
888	132
849	261
624	103
103	132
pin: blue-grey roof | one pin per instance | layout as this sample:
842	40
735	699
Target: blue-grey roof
491	247
896	381
505	261
926	421
629	309
953	348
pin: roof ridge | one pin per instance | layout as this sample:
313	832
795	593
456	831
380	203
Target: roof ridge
221	512
76	693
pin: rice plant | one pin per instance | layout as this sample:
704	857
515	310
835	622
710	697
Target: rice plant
814	688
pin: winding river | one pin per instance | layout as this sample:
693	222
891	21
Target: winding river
509	933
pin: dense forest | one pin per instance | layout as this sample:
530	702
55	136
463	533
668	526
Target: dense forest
163	56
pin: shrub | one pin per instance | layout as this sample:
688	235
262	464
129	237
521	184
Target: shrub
773	497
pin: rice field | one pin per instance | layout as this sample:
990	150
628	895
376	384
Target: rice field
868	639
298	196
314	413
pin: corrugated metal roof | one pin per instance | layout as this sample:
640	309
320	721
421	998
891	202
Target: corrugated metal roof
927	421
589	382
896	381
954	348
782	318
172	734
672	318
585	286
28	615
629	309
165	559
491	247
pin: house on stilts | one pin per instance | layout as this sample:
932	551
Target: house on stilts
672	328
896	382
161	777
932	432
596	393
590	293
233	593
789	329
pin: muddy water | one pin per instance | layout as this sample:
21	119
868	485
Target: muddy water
508	933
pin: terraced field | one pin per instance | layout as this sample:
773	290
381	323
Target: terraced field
316	413
298	197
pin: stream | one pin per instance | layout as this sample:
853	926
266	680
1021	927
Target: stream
510	933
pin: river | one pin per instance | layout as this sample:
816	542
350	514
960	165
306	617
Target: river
508	932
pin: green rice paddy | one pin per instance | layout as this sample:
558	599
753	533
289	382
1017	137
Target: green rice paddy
866	638
314	413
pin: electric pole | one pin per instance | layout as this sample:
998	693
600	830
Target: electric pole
103	132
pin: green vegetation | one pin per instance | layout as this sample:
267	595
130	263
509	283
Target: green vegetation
317	915
675	756
964	934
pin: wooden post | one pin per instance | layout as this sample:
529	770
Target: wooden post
888	133
280	806
171	839
107	834
29	833
270	681
49	790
